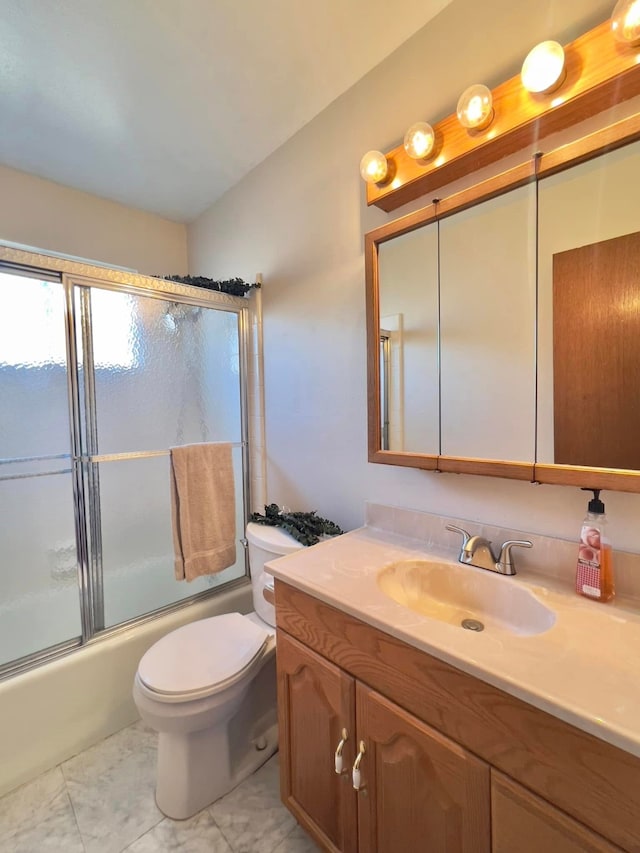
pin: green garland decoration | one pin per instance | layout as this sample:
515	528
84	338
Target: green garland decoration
233	286
305	527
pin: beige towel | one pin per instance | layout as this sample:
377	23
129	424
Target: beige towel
203	509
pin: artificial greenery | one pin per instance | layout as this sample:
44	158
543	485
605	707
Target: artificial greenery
233	286
305	527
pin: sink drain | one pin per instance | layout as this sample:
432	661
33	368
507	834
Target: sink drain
472	625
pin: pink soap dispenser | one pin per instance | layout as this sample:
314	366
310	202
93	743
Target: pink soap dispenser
594	572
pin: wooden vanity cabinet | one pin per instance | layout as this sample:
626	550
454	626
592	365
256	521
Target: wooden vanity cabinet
419	790
316	701
422	791
525	823
451	763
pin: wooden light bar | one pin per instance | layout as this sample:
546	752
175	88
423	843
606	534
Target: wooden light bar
600	72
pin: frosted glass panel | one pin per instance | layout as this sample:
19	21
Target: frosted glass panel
163	374
39	600
166	373
34	412
136	539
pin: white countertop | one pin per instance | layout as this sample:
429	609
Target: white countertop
584	670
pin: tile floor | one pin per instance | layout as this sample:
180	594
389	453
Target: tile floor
102	801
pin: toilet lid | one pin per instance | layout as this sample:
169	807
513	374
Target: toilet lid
202	654
275	540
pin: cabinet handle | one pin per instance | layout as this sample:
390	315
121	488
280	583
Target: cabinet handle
355	775
338	756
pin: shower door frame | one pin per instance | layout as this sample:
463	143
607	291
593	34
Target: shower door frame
84	467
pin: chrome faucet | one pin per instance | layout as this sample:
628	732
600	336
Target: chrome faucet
476	551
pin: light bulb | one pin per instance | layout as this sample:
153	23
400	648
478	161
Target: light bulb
543	69
374	167
419	140
625	22
475	107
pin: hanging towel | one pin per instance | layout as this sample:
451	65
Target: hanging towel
203	509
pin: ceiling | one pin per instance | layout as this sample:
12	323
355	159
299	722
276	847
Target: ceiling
165	104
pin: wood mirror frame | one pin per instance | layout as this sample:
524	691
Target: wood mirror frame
542	165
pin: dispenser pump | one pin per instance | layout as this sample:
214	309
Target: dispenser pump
595	505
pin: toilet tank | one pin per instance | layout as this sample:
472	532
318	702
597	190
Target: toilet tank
265	544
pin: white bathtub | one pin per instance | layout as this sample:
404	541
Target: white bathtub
57	710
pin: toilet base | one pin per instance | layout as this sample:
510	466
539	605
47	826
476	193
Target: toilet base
193	770
196	768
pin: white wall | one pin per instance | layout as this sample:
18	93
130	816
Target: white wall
46	215
300	217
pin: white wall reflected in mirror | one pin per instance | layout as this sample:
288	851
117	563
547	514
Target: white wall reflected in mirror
408	275
488	309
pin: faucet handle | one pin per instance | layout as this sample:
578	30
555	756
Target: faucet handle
505	561
463	533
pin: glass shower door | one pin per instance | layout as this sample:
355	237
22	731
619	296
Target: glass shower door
39	596
163	374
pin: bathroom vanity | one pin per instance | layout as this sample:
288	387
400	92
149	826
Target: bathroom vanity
500	741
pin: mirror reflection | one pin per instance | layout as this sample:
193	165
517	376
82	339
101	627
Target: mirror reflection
459	362
408	276
487	276
589	313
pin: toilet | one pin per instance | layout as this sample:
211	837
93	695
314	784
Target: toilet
209	690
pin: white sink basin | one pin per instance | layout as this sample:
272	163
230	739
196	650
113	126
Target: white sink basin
453	593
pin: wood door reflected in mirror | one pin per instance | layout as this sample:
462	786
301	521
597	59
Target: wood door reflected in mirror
589	314
408	322
596	354
488	307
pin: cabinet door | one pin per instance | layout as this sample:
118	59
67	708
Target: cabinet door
526	823
316	701
422	791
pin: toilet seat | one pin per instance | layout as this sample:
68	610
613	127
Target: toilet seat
202	658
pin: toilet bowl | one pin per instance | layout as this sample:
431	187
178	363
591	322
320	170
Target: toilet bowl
209	690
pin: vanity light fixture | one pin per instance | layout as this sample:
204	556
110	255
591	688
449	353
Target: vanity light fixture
600	71
625	22
419	140
374	167
543	70
475	107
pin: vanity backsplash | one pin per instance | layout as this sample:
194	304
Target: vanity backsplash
551	558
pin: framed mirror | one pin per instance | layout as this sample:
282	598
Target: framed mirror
487	329
409	382
536	318
589	314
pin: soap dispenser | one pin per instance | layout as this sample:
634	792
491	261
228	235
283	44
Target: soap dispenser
594	572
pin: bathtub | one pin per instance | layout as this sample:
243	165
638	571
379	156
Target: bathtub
60	708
